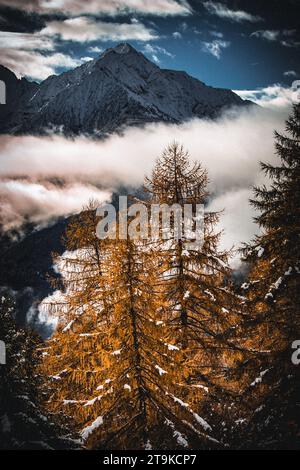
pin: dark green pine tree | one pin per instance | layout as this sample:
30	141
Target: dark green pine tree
22	423
273	294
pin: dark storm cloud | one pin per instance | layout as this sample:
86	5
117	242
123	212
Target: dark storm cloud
20	21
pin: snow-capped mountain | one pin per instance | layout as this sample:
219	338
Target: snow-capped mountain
120	88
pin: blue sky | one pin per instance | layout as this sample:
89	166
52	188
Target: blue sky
237	44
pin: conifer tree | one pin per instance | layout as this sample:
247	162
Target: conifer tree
273	322
114	366
23	424
73	355
202	308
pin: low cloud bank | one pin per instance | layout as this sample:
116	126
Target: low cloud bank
42	177
276	97
38	202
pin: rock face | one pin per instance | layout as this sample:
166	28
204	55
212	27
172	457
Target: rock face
120	88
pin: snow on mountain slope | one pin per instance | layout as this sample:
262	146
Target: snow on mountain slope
120	88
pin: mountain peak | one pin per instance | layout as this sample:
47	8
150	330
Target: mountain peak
121	88
122	48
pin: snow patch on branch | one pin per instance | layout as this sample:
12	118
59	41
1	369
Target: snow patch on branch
171	347
258	379
93	401
86	432
117	352
68	327
160	370
180	438
198	418
276	285
148	445
201	386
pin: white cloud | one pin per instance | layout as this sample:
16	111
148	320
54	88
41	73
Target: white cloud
83	29
95	49
282	36
236	220
217	34
222	11
177	35
20	51
86	59
26	41
290	73
215	47
273	97
184	26
290	43
230	149
154	51
43	201
269	35
34	64
108	7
